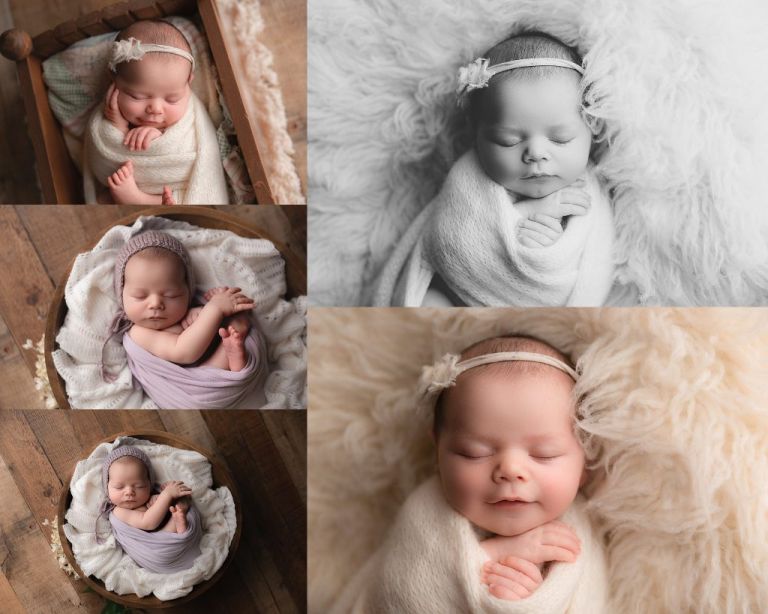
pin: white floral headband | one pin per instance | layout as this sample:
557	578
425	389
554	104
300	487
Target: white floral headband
131	49
441	375
477	74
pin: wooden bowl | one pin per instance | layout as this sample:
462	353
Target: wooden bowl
221	477
295	273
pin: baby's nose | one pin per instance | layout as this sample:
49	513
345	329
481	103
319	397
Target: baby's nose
154	106
536	150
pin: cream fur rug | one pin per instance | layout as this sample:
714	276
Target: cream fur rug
675	423
679	87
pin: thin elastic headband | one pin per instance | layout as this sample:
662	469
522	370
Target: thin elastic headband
486	359
441	375
476	74
132	49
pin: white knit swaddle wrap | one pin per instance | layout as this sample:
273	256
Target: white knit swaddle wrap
185	158
431	563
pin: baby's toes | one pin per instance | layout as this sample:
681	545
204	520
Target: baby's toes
223	333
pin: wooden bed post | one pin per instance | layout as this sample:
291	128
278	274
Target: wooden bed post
60	181
250	138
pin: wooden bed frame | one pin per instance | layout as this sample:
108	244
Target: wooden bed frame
60	180
221	477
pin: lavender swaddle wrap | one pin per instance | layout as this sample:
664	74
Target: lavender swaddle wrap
160	551
173	386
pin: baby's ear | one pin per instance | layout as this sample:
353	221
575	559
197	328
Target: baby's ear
191	76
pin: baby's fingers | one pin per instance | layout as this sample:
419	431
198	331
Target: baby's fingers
514	593
531	238
496	573
551	231
525	567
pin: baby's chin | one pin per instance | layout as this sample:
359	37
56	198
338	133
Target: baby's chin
160	324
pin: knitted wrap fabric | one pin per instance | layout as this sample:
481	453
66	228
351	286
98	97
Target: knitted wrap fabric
144	240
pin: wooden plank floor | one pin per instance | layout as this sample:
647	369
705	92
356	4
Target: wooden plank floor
264	451
37	244
285	34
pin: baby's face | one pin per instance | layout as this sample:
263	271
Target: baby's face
158	93
532	139
128	486
155	294
507	454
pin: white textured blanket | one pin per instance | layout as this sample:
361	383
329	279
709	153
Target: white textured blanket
219	258
185	158
108	562
432	559
468	236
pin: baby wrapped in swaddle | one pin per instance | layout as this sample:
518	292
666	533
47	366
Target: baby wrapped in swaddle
521	218
153	141
501	528
202	357
160	532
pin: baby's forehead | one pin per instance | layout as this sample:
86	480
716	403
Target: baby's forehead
127	465
550	99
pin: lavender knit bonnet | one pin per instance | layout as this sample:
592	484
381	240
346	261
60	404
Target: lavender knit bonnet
149	238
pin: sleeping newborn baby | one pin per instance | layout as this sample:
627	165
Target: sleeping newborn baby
520	219
208	356
153	141
501	528
160	532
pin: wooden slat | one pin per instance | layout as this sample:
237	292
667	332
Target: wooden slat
16	384
189	424
60	233
252	142
59	179
269	494
25	481
288	430
25	288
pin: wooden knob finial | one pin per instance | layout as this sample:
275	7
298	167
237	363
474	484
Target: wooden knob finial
15	44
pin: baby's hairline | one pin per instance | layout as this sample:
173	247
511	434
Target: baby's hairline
126	460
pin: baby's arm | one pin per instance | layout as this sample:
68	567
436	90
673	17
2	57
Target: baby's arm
151	518
190	345
112	111
190	317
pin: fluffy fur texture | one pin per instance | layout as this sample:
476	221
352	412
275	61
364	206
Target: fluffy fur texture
472	244
677	90
431	562
674	420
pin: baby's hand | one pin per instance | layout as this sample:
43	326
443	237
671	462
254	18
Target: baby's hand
539	230
229	300
112	111
512	578
141	138
571	200
176	489
190	317
552	541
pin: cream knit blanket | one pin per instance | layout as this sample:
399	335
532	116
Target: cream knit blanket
468	236
185	158
431	563
219	258
108	562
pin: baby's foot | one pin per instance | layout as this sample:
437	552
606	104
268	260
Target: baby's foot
240	322
233	343
179	514
167	198
122	186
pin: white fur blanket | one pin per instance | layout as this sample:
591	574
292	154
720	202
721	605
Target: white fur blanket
468	236
674	422
219	258
185	158
108	562
679	87
432	559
